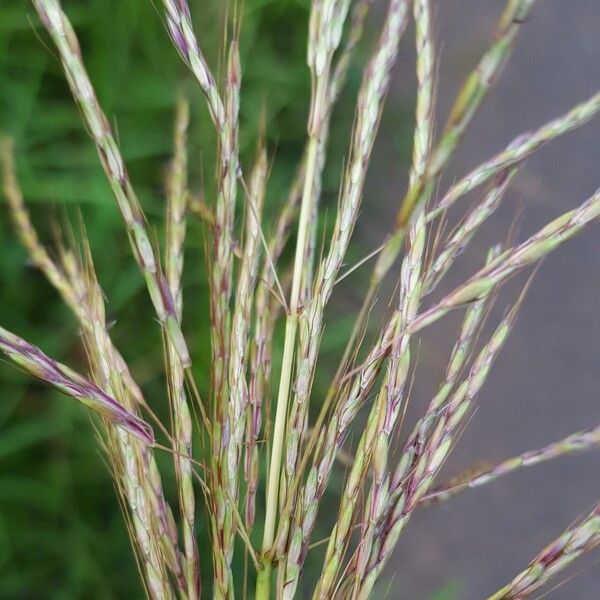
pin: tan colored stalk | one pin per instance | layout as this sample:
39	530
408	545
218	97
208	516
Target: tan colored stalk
128	458
325	29
521	148
153	529
421	461
372	92
182	418
220	287
241	325
65	40
554	558
152	520
39	256
465	106
198	207
27	234
327	438
576	442
138	463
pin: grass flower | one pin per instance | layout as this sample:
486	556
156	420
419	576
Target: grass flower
253	469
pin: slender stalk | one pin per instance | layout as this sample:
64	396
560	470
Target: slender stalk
467	229
576	442
467	102
513	260
374	86
241	322
338	79
422	460
38	364
246	297
411	287
325	30
458	357
143	495
261	363
221	280
136	472
291	327
27	234
554	558
182	418
65	40
179	25
517	151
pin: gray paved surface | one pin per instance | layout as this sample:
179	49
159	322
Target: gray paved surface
547	382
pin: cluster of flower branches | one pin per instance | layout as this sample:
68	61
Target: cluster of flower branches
243	430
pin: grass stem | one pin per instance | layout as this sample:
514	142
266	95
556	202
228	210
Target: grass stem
291	327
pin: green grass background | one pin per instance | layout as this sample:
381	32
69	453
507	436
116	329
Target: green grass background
61	531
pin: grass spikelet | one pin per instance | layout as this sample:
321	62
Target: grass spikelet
36	363
182	416
63	35
554	558
576	442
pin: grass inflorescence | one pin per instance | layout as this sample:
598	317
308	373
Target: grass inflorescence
255	453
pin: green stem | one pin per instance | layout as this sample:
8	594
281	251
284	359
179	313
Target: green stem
263	583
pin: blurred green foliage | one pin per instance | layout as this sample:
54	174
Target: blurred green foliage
61	530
